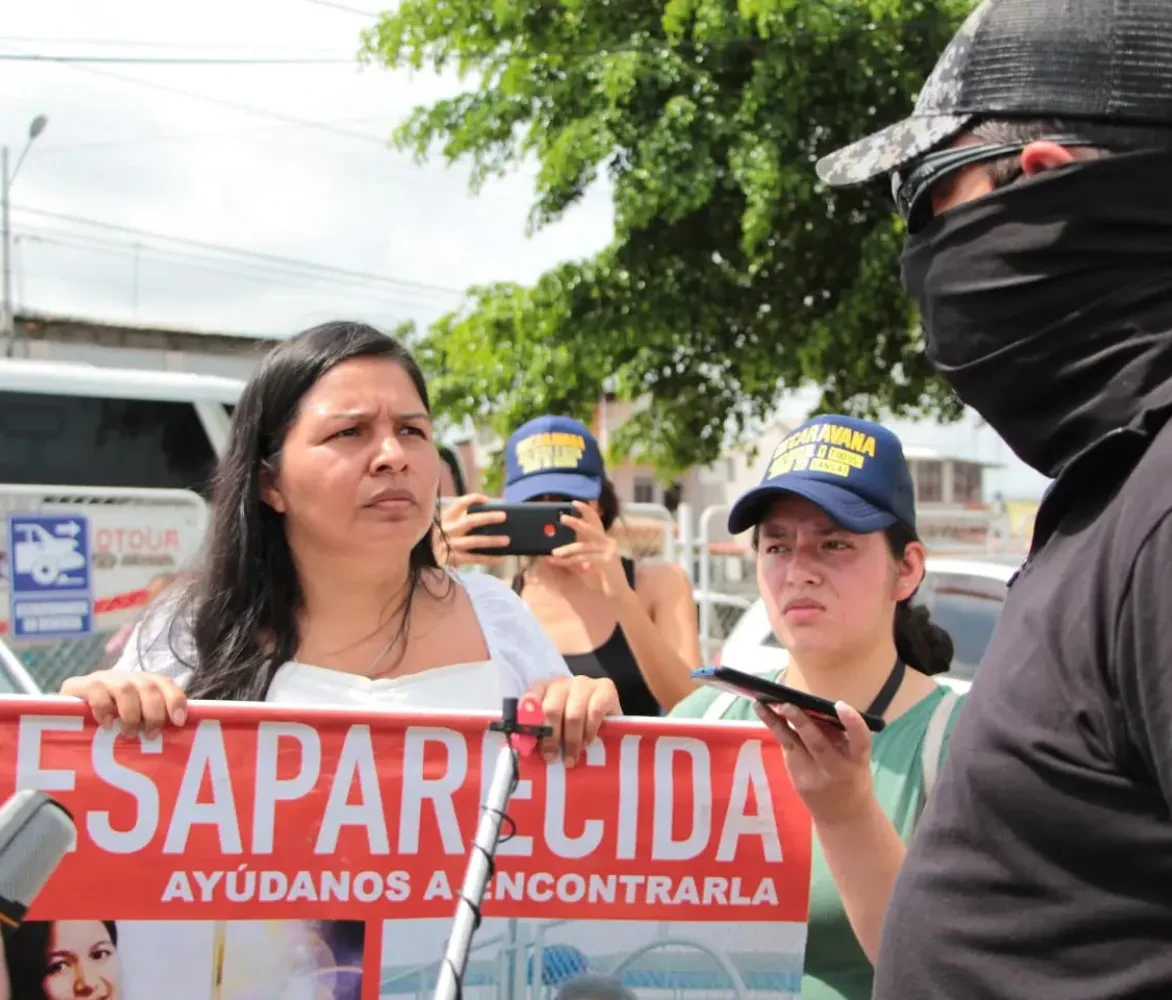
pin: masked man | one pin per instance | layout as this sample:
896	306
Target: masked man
1035	178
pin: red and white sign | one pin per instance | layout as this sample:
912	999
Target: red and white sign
135	539
261	816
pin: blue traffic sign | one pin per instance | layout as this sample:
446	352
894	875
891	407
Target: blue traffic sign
49	575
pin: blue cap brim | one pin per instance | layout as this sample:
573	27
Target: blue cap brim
844	507
567	484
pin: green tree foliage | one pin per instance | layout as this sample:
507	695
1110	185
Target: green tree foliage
733	274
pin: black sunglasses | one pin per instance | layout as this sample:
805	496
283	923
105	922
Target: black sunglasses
910	189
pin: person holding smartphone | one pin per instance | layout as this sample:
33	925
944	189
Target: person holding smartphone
838	564
610	618
319	584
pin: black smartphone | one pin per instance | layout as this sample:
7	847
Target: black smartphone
770	692
534	529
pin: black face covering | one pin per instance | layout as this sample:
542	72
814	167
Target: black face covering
1048	304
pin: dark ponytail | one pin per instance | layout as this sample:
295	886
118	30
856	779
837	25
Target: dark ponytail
608	504
919	641
451	458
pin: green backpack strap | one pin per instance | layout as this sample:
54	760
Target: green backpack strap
720	705
934	738
726	699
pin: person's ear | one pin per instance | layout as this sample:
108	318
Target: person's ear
909	571
269	491
1038	157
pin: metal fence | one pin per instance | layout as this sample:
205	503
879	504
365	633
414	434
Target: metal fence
718	615
534	960
720	566
647	531
722	589
51	664
134	537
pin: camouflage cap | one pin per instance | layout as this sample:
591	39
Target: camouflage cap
1074	59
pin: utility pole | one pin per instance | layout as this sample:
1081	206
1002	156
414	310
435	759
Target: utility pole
7	320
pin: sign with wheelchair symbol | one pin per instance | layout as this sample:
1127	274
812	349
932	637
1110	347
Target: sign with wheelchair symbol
49	575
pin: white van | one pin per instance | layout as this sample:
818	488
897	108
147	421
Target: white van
65	424
104	474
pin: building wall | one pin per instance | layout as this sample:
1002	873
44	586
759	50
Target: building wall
718	484
127	347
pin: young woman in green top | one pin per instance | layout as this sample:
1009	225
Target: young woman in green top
838	563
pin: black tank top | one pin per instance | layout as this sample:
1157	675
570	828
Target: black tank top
613	659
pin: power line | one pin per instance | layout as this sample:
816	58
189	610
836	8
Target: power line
233	105
341	6
252	132
182	60
292	262
250	271
163	44
426	176
65	237
649	47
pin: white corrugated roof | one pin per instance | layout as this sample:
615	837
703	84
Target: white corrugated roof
78	379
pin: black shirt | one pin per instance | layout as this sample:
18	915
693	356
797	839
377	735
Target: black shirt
1043	866
614	659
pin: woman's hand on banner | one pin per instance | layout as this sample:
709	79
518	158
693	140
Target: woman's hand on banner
830	769
136	700
453	544
574	708
595	556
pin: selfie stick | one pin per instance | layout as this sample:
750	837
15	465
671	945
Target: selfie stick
520	738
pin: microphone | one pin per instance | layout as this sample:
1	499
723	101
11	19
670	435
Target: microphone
36	832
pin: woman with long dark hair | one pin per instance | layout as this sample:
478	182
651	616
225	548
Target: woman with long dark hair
838	564
64	960
610	618
320	584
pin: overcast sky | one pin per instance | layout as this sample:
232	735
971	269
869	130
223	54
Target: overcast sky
120	150
172	150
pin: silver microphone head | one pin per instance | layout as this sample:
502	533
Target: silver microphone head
36	832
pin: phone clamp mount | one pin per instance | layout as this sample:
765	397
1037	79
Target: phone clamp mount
523	725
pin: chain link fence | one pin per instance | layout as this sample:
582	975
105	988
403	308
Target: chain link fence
643	535
719	615
51	664
721	568
646	531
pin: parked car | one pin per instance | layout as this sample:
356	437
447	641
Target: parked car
14	679
74	424
964	596
106	433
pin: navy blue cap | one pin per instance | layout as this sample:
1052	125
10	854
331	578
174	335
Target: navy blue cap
552	455
852	469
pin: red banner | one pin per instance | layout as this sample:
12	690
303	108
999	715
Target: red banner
270	814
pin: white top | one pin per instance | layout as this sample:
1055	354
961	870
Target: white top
520	655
